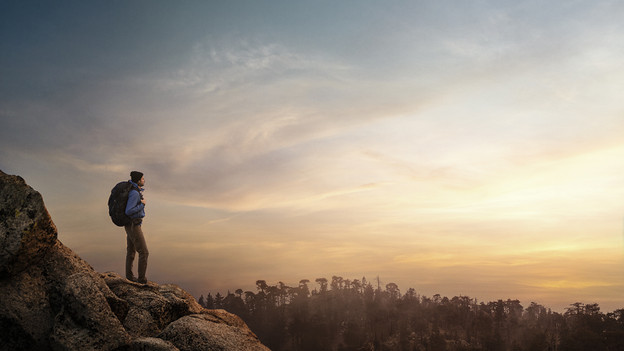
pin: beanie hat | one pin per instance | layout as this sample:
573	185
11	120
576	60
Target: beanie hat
135	176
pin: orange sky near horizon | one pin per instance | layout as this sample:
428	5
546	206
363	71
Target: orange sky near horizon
455	148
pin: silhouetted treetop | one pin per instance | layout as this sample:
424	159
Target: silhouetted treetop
345	314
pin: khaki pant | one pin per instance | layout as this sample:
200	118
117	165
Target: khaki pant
136	243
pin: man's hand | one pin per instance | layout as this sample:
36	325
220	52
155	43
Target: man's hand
143	201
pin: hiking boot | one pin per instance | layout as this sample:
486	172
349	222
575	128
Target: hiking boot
141	280
132	279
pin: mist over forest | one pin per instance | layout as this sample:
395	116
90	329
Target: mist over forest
343	314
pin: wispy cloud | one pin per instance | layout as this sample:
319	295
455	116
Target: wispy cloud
436	144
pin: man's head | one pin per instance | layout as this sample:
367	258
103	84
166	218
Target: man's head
137	177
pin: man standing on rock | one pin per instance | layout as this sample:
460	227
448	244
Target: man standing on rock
135	209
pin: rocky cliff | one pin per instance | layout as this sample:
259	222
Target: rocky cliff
51	299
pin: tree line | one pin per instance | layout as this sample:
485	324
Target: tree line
344	314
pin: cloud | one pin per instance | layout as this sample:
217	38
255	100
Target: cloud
441	146
226	66
231	148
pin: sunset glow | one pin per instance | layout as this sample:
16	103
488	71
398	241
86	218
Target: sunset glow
453	148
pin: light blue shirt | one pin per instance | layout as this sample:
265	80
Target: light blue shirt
134	207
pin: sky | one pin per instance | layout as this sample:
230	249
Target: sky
454	147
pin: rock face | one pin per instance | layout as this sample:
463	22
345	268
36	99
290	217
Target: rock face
23	215
51	299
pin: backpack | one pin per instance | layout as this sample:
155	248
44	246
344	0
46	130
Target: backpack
117	204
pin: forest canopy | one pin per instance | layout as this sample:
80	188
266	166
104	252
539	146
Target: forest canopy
344	314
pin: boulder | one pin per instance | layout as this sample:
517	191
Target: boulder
26	229
151	307
26	315
51	299
85	320
151	344
205	332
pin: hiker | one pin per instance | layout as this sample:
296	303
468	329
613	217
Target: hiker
135	209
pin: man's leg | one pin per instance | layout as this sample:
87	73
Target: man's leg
130	251
141	248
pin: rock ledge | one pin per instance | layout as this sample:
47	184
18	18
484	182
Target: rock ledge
51	299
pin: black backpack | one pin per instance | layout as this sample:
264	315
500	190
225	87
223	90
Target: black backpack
117	204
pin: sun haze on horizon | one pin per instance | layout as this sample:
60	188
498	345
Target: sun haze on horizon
454	148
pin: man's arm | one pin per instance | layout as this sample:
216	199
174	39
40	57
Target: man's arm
134	206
